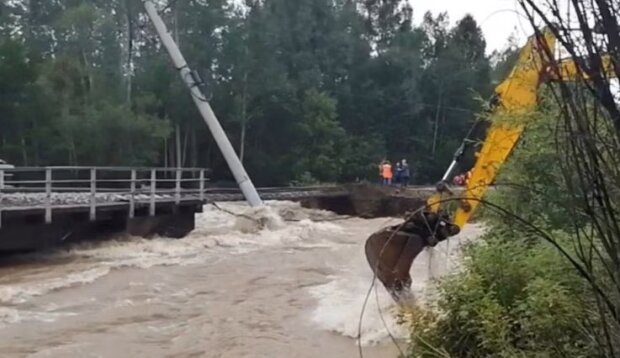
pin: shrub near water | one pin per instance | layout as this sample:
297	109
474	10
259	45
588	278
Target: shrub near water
510	300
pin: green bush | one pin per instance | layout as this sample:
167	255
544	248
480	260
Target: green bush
512	299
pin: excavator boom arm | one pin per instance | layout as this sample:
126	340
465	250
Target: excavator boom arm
517	96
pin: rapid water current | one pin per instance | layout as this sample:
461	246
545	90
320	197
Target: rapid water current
282	281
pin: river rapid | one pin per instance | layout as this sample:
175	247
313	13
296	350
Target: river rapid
282	281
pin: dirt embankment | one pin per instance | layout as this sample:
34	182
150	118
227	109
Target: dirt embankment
372	201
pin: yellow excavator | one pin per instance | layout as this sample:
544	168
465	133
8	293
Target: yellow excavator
516	96
391	251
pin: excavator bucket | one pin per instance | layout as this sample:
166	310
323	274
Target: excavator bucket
390	251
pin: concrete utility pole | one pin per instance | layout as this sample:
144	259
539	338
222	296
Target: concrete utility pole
192	81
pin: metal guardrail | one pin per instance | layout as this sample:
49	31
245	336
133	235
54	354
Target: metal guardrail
51	188
57	187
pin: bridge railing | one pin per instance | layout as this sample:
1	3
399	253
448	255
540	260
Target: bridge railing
55	187
52	188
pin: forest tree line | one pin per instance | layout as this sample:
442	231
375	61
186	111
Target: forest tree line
307	90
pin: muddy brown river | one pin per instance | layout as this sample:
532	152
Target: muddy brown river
292	287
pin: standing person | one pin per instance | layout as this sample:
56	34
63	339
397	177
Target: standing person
387	173
406	173
467	177
458	180
398	174
381	178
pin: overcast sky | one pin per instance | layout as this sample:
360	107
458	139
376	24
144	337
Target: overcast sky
497	18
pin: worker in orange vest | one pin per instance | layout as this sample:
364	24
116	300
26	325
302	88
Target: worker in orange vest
467	177
387	173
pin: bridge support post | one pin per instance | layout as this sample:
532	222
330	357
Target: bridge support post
193	82
132	198
48	195
153	190
201	186
93	194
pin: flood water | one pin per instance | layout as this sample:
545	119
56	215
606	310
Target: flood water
293	288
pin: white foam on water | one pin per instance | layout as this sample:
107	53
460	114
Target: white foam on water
340	304
243	229
23	292
340	301
11	316
340	309
238	229
216	232
143	253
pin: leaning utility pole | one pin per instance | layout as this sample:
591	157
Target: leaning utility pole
192	80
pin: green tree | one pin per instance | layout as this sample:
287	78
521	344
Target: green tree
458	73
322	139
17	79
267	66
